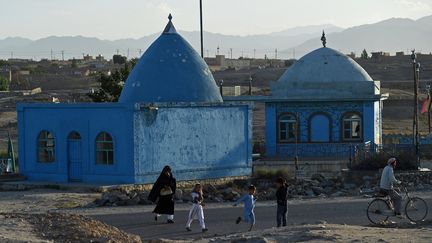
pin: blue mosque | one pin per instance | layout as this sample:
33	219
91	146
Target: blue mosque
322	106
170	112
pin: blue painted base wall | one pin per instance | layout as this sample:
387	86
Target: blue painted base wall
86	119
198	142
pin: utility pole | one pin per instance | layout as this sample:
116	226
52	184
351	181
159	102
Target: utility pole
230	53
217	50
62	52
428	90
416	70
201	30
139	52
296	158
276	53
51	54
250	84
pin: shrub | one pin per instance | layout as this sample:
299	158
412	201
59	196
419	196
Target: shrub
3	154
4	84
406	161
271	174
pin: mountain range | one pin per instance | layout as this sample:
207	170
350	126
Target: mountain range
391	35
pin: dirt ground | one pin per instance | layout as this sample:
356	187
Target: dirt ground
41	216
62	227
325	233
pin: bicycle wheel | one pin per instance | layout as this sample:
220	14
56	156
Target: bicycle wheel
416	209
377	211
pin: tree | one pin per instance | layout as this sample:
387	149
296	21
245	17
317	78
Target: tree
4	63
4	84
111	85
364	54
74	63
119	59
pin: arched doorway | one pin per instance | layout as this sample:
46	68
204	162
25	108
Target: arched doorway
74	157
319	128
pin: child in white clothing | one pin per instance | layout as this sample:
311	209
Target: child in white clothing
197	208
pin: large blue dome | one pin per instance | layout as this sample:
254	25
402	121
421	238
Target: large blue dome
170	70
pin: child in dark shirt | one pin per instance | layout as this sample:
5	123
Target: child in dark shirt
282	202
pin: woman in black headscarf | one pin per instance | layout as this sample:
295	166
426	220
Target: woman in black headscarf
164	189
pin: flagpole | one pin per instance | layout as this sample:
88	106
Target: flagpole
201	30
416	69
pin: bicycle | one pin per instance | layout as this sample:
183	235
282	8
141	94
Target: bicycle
381	208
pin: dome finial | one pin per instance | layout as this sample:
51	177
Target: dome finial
323	39
169	28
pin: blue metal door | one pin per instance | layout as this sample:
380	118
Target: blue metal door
320	129
74	157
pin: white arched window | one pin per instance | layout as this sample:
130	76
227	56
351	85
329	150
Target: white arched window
287	128
104	149
46	147
352	127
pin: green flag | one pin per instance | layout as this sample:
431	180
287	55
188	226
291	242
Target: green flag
11	155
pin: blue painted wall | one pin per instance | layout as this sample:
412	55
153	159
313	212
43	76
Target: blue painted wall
320	130
369	124
313	134
198	142
270	129
88	120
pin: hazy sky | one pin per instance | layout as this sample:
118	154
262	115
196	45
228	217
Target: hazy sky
114	19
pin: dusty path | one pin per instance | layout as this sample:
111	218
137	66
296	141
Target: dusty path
220	217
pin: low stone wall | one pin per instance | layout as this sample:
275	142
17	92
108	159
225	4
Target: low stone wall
126	188
354	183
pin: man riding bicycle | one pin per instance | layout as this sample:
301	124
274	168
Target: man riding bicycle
386	185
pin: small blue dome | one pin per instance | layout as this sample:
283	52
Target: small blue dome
170	70
325	65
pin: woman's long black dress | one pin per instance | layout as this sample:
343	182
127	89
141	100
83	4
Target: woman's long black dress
165	204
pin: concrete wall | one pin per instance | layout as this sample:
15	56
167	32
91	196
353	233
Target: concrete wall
88	120
197	141
404	139
306	168
305	111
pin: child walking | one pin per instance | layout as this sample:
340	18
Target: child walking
249	205
282	202
197	208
